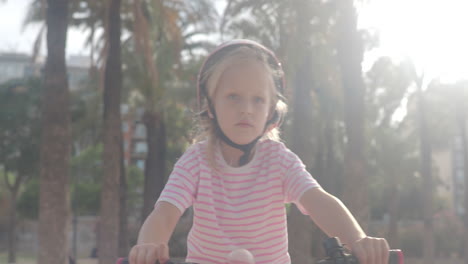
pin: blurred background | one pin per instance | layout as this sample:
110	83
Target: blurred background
98	99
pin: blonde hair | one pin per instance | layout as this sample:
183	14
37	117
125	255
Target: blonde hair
211	77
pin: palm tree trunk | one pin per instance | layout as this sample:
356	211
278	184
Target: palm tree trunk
109	225
123	233
350	54
300	227
155	160
428	186
461	121
54	200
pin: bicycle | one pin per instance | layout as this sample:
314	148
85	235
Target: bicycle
336	254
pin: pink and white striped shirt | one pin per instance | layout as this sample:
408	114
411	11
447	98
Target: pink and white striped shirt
241	207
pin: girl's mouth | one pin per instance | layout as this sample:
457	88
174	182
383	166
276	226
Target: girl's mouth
244	124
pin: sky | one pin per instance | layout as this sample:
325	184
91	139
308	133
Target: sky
14	39
431	32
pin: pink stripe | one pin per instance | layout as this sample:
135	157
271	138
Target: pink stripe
243	217
297	184
251	179
249	201
243	210
209	241
187	201
206	219
272	252
273	256
237	189
180	167
268	247
244	244
296	170
203	260
194	245
231	174
214	250
242	231
193	166
252	223
268	188
292	158
185	178
266	147
180	187
284	166
191	159
267	232
168	199
228	181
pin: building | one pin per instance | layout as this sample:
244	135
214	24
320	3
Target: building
16	65
449	169
134	137
20	65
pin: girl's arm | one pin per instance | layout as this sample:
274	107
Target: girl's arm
155	234
331	215
159	225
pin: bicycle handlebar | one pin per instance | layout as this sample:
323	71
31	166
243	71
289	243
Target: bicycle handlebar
335	255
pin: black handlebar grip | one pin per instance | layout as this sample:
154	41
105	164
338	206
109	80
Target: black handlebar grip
396	257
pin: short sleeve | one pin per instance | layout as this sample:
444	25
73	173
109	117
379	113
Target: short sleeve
297	179
180	189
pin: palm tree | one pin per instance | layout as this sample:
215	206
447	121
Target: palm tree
109	224
160	46
426	172
54	205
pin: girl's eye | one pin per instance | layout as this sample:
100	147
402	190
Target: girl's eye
259	100
233	96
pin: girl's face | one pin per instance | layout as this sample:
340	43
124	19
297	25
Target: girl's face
242	101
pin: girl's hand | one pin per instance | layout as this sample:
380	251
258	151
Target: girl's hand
149	253
371	250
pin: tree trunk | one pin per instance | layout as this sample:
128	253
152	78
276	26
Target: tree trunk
54	197
394	213
326	175
108	244
300	227
123	233
350	55
12	226
461	121
428	186
155	160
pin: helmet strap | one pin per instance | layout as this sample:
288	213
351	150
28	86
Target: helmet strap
246	148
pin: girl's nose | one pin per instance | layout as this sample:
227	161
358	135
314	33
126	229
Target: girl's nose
247	107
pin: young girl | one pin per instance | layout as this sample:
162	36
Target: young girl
238	176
